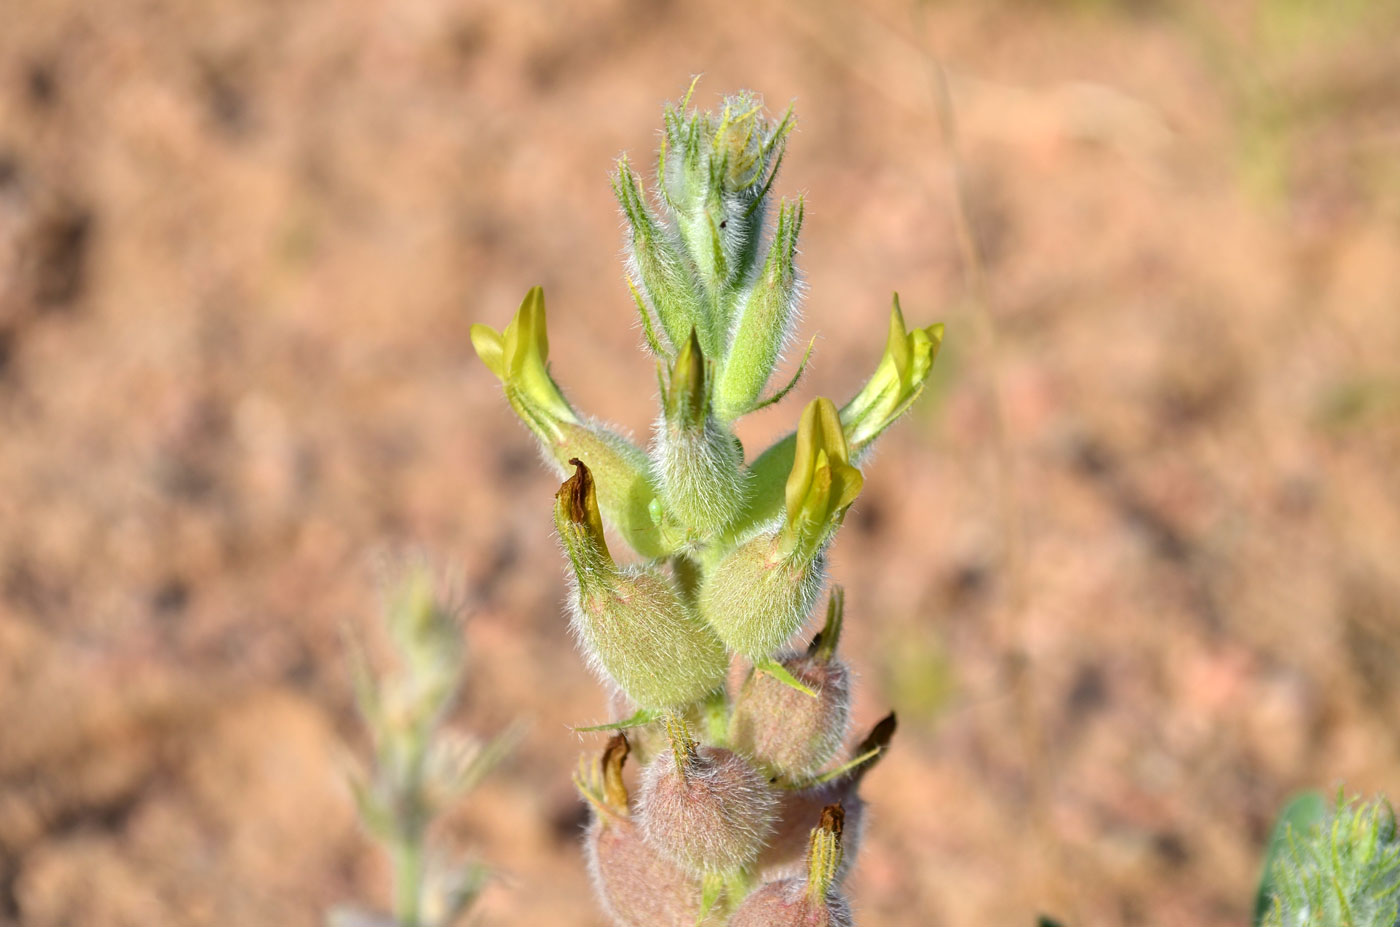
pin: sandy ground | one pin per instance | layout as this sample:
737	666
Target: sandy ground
1130	572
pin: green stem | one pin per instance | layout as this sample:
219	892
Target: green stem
408	881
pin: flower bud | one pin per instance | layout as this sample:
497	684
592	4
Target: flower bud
789	734
638	886
705	807
519	357
698	461
760	593
655	266
716	171
898	380
632	625
785	855
764	321
822	483
811	901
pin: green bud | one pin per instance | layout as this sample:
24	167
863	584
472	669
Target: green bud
898	380
764	322
655	265
705	807
697	460
638	886
760	593
631	624
519	356
716	171
813	901
787	733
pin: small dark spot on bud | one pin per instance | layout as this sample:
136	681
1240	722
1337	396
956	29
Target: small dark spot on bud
724	224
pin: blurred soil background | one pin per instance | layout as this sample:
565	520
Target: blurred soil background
1130	572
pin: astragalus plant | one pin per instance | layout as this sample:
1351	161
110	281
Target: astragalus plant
747	811
419	767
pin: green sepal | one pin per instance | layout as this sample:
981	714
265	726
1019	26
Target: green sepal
641	718
660	270
764	321
771	667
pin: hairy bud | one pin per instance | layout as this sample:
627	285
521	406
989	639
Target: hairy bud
698	460
788	733
705	807
759	595
632	624
716	170
764	321
639	887
810	901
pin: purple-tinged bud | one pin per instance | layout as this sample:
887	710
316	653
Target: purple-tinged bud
632	624
785	856
705	807
638	886
812	899
786	732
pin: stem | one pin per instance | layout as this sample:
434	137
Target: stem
408	881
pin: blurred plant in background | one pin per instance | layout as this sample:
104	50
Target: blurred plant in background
419	767
744	813
1332	869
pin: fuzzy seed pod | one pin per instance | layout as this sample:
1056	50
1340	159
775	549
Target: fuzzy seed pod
631	624
788	733
705	807
638	886
785	856
810	900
